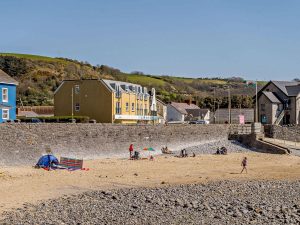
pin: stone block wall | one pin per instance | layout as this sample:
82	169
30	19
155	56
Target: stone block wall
289	133
25	143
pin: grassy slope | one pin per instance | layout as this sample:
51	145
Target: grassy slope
34	57
48	72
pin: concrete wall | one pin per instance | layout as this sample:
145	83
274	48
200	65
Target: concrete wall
291	133
24	143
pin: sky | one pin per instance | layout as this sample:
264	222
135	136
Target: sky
255	39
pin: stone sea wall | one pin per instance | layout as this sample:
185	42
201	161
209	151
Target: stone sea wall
289	133
25	143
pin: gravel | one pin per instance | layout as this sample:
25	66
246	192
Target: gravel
224	202
211	147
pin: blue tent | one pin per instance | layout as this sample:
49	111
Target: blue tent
47	161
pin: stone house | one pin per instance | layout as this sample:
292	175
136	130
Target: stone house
279	103
8	97
185	111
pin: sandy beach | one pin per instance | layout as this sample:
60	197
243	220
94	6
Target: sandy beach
20	185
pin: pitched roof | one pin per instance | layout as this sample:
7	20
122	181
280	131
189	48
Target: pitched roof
111	84
160	101
271	97
6	79
182	107
289	88
197	112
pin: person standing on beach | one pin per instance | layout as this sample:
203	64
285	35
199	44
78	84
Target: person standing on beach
244	165
130	150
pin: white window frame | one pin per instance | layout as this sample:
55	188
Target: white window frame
127	107
7	113
4	99
132	107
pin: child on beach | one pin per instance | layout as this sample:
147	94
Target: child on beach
130	151
244	165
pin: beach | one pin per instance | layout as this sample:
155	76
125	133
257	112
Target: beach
24	184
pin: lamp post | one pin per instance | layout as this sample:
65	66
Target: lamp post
229	104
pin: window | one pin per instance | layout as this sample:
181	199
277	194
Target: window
4	95
5	114
145	110
127	106
132	107
141	108
77	89
118	108
77	107
118	92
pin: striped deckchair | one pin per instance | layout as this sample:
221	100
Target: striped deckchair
73	164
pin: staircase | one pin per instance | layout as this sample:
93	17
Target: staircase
279	118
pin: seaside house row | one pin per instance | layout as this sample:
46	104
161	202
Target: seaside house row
279	103
106	101
7	97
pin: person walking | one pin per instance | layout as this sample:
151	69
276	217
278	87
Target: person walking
130	151
244	164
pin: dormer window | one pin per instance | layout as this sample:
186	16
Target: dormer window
126	87
4	95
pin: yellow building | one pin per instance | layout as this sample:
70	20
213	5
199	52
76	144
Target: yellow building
106	101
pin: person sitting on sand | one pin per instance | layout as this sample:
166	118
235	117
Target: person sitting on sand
223	151
136	155
244	165
218	151
193	155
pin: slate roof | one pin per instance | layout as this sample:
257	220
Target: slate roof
289	88
182	107
110	83
6	79
271	97
197	112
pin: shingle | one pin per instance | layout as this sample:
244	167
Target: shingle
6	79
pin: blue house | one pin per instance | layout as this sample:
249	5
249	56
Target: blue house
8	96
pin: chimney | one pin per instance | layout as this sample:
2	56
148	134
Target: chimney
188	101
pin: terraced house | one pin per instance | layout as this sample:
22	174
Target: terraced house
7	97
106	101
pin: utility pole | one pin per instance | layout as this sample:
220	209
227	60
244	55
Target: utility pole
214	104
256	103
229	105
72	95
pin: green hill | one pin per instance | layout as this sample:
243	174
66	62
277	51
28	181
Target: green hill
39	76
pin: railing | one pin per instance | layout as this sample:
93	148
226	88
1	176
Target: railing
279	118
135	117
